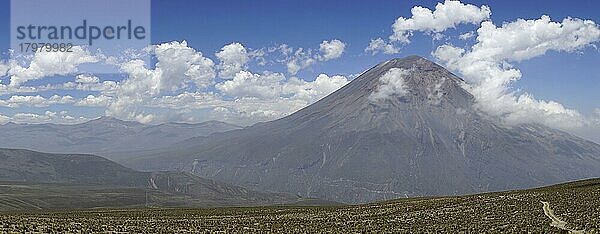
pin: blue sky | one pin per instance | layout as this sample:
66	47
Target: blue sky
572	79
208	25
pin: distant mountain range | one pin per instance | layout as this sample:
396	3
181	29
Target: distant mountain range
33	180
104	136
404	128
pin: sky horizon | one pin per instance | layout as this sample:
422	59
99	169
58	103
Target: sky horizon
242	62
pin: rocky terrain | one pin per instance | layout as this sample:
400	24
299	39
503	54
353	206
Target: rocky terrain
576	204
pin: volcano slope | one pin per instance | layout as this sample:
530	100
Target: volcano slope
404	128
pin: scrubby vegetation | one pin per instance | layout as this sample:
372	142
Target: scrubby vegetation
577	203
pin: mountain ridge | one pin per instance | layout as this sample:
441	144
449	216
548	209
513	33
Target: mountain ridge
106	136
35	177
110	119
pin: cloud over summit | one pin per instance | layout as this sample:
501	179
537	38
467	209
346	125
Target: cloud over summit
487	66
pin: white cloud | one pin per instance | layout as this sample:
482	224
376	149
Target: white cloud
86	79
262	97
446	15
178	67
4	119
259	55
106	87
179	64
189	100
32	117
591	130
247	84
44	64
331	49
487	66
36	101
391	84
312	91
301	59
3	69
180	81
284	49
7	89
61	117
379	45
467	35
92	100
525	39
234	58
270	86
250	110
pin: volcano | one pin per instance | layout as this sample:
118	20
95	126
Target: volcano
404	128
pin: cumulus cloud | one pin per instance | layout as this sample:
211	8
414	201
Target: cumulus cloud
379	45
295	94
446	15
92	100
36	101
487	65
312	91
234	58
245	98
267	96
182	84
44	64
105	87
525	39
86	79
247	84
301	59
331	49
270	86
179	64
189	101
178	67
8	90
297	59
252	97
391	84
62	117
249	110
